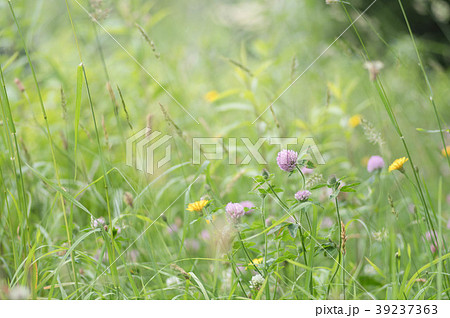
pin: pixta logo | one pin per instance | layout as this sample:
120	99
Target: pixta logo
141	148
148	150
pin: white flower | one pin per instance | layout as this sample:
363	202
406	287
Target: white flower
173	281
19	293
256	282
374	67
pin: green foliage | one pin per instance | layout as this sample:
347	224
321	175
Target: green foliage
77	222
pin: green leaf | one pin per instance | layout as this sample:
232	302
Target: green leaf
259	179
433	131
64	193
293	229
375	267
200	285
78	104
347	189
318	186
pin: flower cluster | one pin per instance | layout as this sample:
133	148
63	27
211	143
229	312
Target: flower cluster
375	163
234	211
97	223
256	282
302	195
287	160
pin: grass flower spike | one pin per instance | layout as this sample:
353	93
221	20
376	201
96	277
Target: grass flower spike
398	164
197	206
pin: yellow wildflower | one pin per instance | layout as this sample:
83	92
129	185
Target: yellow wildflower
197	206
398	164
256	261
211	96
446	150
211	219
364	161
354	121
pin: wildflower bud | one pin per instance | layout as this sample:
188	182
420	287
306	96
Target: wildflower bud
128	198
105	228
265	174
332	180
19	85
343	238
95	223
205	197
391	203
374	67
116	231
164	218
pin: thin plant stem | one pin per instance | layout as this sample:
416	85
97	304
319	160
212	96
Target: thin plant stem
263	217
339	247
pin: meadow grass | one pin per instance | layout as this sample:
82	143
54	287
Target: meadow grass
78	78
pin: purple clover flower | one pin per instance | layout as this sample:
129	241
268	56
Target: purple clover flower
375	163
302	195
205	235
307	170
287	160
432	237
326	222
95	223
433	248
249	205
234	210
192	244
